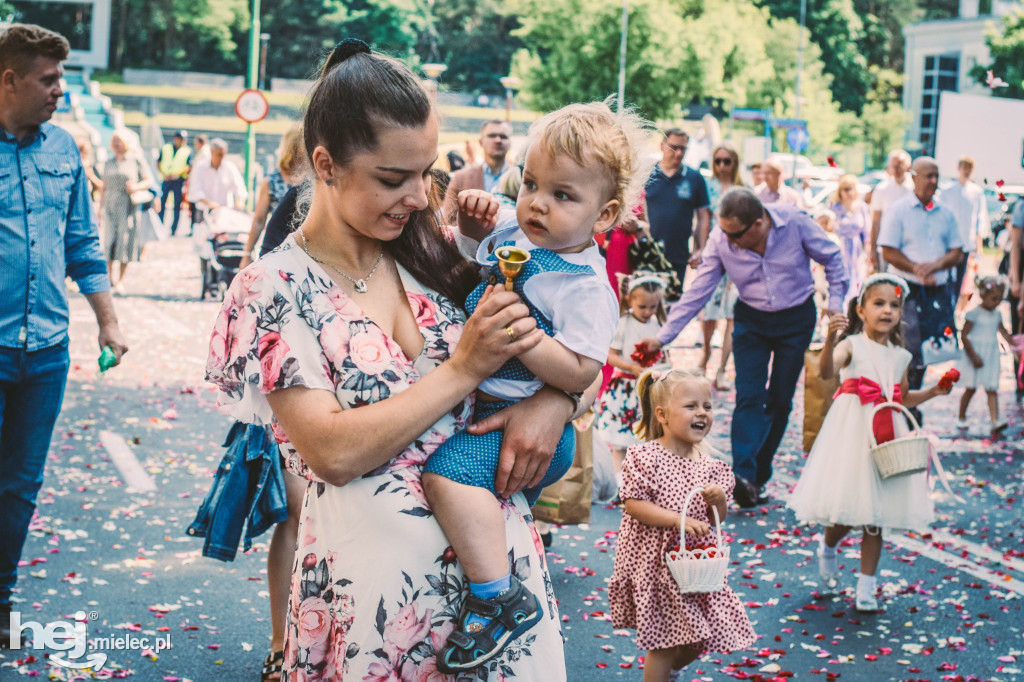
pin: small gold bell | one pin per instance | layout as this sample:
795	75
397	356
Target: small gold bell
511	261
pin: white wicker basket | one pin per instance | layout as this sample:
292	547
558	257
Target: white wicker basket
698	570
905	455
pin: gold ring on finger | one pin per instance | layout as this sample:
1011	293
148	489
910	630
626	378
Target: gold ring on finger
511	333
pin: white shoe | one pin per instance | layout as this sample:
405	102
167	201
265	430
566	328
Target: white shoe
866	601
961	426
828	567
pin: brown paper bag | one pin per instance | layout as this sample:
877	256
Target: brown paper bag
817	395
568	501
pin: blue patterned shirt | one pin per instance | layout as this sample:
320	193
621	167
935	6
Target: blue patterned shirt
47	233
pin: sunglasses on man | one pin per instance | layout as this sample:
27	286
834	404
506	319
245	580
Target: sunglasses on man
736	236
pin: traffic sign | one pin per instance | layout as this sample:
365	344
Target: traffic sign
252	106
750	114
788	123
798	139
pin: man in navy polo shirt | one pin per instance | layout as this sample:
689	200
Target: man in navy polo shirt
674	193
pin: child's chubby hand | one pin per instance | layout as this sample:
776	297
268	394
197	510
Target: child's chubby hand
943	389
713	495
479	205
696	528
837	323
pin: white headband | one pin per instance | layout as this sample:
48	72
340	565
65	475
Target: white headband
640	280
883	277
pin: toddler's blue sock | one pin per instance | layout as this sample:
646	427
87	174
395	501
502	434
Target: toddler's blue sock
475	622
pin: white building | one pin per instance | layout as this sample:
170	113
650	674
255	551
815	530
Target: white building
939	55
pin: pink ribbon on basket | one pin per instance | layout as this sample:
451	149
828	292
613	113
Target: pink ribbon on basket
870	392
936	464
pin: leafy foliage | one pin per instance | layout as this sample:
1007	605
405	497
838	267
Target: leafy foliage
884	121
1007	49
574	54
837	29
474	38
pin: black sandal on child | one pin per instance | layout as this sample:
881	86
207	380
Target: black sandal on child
511	614
273	664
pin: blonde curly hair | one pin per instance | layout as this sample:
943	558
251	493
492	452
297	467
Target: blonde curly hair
594	134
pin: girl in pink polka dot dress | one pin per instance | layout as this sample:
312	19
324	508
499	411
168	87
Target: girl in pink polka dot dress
657	475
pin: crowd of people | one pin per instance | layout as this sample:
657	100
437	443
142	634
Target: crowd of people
407	351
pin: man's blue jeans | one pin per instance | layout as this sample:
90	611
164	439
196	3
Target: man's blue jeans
31	392
177	189
762	339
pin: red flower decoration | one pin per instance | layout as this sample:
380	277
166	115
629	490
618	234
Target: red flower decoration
832	163
644	357
1000	183
929	206
899	291
1002	197
949	378
947	331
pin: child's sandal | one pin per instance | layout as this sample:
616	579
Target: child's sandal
511	614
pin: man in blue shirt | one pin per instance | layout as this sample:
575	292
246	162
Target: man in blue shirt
921	242
674	194
47	232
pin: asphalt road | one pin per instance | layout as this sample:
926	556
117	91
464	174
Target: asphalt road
952	600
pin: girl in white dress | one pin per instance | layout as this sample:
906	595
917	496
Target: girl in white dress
840	487
618	410
979	367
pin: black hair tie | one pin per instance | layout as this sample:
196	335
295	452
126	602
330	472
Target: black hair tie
345	49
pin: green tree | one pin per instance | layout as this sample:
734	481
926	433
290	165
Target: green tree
572	54
835	27
200	35
883	21
883	122
474	38
817	106
213	35
303	32
1007	50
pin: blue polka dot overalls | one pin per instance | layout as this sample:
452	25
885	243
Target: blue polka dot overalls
472	460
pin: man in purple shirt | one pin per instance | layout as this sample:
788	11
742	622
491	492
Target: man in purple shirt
767	253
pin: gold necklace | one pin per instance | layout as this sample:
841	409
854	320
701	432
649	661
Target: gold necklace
360	284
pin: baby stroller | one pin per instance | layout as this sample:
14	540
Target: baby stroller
220	242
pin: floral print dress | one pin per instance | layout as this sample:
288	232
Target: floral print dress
375	586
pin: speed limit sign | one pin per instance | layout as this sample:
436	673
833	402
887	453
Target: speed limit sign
252	106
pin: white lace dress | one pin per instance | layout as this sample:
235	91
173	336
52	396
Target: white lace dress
839	483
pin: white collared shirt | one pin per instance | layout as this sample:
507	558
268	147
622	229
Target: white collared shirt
222	186
968	203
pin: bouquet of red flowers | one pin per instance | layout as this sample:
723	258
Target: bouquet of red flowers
949	378
644	357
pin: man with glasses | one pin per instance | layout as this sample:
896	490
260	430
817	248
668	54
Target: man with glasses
766	250
495	141
674	194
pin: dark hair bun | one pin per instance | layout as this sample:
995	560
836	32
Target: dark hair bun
345	49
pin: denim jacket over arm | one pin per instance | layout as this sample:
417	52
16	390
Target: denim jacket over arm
248	490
